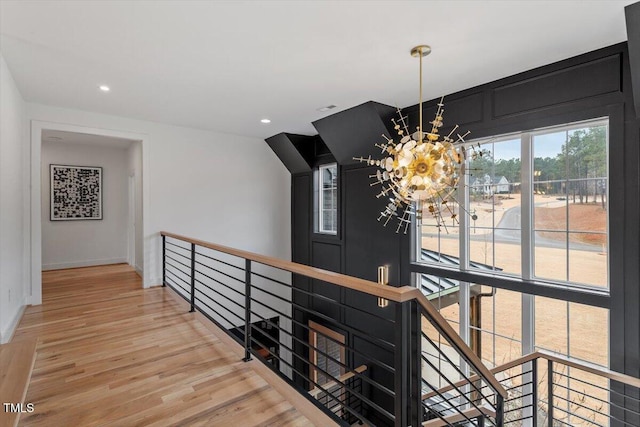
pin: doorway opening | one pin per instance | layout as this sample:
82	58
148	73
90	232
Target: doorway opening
89	200
66	232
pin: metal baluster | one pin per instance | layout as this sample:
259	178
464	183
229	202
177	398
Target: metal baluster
550	393
416	364
193	278
534	391
247	310
401	356
164	260
499	409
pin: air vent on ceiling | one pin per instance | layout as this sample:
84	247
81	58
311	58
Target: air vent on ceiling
327	108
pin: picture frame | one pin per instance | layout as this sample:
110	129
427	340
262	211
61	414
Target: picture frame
75	193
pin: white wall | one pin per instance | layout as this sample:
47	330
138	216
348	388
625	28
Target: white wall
14	288
135	168
68	244
218	187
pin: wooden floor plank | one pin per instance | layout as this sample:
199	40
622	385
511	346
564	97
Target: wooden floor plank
16	366
112	353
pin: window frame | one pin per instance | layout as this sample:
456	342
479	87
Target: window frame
319	200
596	122
527	226
336	337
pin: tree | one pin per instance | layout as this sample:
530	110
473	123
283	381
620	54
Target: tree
585	156
550	169
510	169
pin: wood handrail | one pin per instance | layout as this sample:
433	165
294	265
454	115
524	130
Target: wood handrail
457	417
341	379
591	368
573	363
521	360
558	358
399	294
457	341
391	293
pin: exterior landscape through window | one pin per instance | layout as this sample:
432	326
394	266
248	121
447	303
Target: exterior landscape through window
536	208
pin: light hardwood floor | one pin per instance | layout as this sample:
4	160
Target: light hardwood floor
111	353
16	364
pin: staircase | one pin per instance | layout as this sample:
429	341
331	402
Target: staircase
465	417
361	352
377	355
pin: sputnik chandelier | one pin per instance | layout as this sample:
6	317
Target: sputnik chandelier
422	170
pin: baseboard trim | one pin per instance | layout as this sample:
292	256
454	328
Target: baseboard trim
7	335
139	271
152	283
87	263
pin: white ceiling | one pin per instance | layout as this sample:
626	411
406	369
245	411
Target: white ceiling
61	137
224	65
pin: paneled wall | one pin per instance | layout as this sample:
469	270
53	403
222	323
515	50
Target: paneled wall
592	85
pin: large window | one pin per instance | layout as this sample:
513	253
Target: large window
494	198
536	208
325	341
548	185
327	356
327	199
570	204
495	324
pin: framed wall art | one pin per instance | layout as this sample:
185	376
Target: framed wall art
76	193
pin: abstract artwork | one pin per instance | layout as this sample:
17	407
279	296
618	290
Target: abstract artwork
76	193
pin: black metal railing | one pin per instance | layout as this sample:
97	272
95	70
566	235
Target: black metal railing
326	335
444	365
547	389
579	393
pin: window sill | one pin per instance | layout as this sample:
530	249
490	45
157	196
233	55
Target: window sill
599	297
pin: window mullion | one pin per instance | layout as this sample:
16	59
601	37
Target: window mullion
527	240
464	296
463	220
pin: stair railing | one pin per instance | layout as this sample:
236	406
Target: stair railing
367	364
548	389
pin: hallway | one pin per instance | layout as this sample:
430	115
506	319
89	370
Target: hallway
112	353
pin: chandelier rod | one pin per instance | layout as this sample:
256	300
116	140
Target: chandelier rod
420	51
420	107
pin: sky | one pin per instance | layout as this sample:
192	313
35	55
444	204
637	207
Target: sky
544	145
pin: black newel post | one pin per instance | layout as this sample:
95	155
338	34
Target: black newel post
247	311
193	278
164	260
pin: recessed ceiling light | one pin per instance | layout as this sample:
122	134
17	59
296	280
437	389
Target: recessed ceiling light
327	108
104	88
265	121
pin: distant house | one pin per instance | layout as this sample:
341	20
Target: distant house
501	184
488	186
